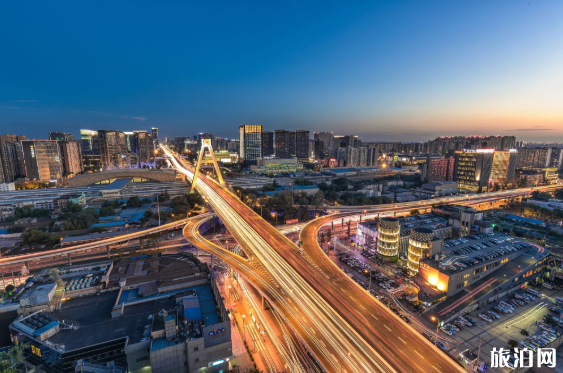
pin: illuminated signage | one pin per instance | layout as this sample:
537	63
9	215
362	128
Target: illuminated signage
215	333
482	151
218	362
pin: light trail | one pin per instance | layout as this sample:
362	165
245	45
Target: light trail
295	290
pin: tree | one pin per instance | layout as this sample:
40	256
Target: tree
513	343
10	289
9	359
415	212
548	319
146	201
524	332
134	202
107	211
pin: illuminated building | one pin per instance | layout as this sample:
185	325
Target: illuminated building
42	160
473	168
420	242
388	231
250	143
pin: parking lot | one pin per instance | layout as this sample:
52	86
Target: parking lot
497	333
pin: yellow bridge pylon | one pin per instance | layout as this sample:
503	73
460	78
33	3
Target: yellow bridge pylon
206	145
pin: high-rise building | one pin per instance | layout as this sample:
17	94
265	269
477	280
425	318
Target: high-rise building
42	160
90	141
328	143
250	143
441	169
443	145
504	165
71	158
144	148
352	140
11	162
473	168
155	136
339	142
320	149
302	144
113	145
61	136
556	159
534	157
285	144
268	144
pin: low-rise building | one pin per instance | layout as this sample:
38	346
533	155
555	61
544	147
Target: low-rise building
437	189
5	187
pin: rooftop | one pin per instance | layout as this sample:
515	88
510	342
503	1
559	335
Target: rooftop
117	184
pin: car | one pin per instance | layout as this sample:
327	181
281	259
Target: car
485	317
427	335
440	345
446	331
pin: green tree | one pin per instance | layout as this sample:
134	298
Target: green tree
513	343
107	211
414	212
146	201
9	359
524	332
134	202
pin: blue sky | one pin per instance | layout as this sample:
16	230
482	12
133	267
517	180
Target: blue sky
405	70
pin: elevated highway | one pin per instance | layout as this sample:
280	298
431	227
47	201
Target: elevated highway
340	324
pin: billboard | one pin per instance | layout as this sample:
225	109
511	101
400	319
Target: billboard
216	334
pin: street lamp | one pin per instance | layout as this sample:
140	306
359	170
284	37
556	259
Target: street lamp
229	293
276	215
243	328
342	360
366	271
433	318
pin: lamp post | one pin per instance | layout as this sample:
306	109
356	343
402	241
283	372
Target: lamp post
276	215
243	328
437	326
229	293
291	193
342	361
369	286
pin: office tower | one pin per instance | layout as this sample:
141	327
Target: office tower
285	144
155	136
250	143
473	168
320	149
352	141
71	158
144	148
533	157
504	165
221	143
113	145
90	142
11	158
61	136
302	144
42	160
328	143
233	145
339	142
556	159
130	141
267	143
438	169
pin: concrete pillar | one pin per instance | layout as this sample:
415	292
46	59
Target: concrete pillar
27	266
140	244
107	249
69	259
211	260
263	303
196	252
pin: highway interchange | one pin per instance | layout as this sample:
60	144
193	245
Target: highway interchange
341	324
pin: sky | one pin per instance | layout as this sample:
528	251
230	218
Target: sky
383	70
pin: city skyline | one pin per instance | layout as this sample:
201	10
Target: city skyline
384	72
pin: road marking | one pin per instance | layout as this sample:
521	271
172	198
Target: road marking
402	340
374	316
386	327
418	354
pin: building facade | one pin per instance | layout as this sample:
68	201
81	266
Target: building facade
42	160
250	137
268	144
473	169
